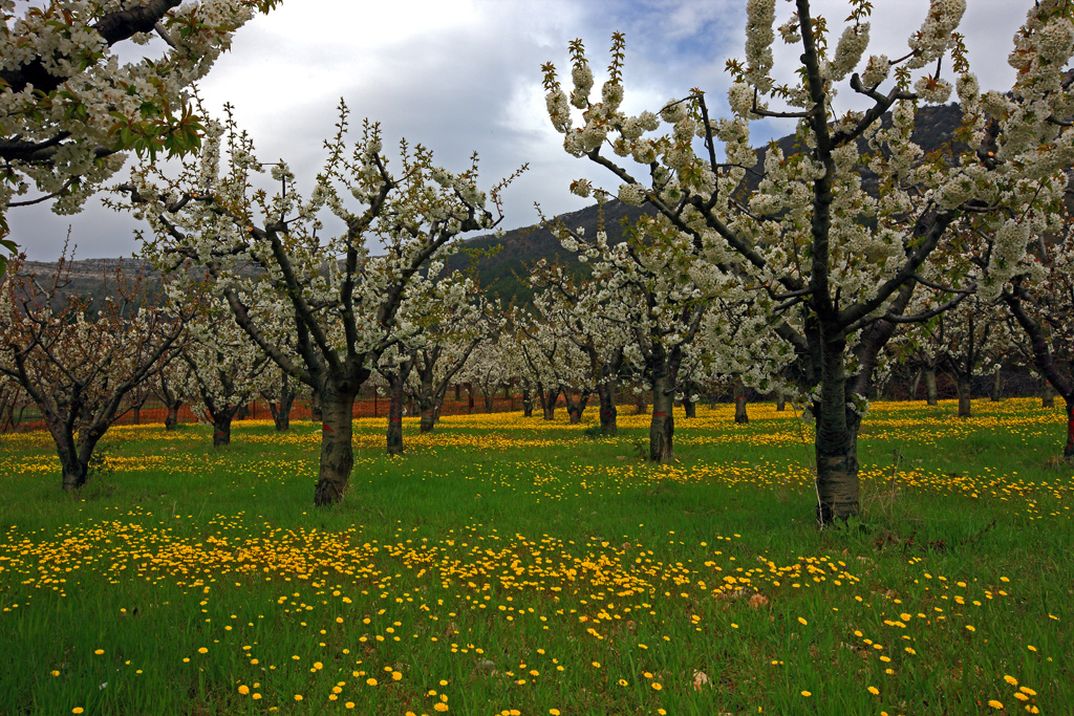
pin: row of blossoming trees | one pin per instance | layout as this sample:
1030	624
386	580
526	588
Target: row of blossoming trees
803	269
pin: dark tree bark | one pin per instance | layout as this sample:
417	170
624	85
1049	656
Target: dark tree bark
547	399
1047	396
781	401
964	386
608	412
337	451
171	418
741	416
576	401
281	402
836	441
527	402
915	383
931	396
74	451
488	396
662	424
428	417
641	407
689	407
395	413
997	386
315	406
222	418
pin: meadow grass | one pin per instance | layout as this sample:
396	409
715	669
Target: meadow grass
510	565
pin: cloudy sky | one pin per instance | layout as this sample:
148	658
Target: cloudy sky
463	75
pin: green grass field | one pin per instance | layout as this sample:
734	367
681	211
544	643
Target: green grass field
515	566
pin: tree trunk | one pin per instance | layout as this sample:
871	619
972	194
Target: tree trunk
689	407
548	402
836	441
606	394
282	418
662	424
915	383
1068	451
458	392
930	386
171	418
137	417
75	453
997	386
395	416
74	470
469	397
640	406
315	406
337	452
488	396
781	401
527	403
964	387
741	416
222	427
1047	396
428	417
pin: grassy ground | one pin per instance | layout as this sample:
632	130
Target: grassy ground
521	567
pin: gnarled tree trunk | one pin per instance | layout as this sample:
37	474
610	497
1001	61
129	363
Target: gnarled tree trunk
997	386
395	415
640	406
781	401
930	386
836	441
662	424
222	426
1047	396
74	453
606	396
741	416
527	403
964	386
689	407
171	417
576	402
337	452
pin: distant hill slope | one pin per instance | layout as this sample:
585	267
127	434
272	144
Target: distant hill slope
501	263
